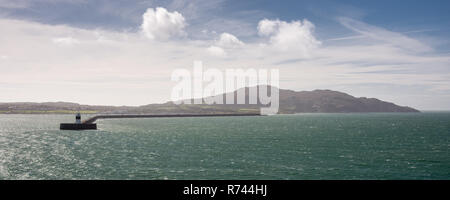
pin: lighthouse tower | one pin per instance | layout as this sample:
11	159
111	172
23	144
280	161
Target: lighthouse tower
78	118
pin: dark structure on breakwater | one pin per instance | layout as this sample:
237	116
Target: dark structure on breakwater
90	125
75	126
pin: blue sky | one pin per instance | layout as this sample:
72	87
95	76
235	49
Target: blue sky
412	15
393	50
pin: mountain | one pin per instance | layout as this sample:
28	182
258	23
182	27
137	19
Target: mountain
317	101
328	101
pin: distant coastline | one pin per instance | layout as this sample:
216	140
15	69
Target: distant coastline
291	102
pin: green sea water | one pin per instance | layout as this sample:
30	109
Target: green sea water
303	146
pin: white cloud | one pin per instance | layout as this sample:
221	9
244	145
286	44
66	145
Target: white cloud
66	41
228	40
161	24
3	57
295	35
104	65
267	27
225	41
216	51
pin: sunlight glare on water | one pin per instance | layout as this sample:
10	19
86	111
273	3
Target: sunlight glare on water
303	146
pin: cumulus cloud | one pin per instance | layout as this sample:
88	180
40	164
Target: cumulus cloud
225	41
295	35
228	40
67	41
267	27
161	24
216	51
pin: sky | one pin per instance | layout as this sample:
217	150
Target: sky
121	52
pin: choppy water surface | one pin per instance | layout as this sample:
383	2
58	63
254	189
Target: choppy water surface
304	146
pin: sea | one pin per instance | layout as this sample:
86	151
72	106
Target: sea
374	146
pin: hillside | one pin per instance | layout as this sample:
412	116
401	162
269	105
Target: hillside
317	101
